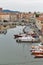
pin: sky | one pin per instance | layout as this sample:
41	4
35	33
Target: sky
22	5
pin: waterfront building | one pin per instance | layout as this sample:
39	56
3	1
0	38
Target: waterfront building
40	22
4	16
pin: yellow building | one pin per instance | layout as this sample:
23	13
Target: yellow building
39	22
4	16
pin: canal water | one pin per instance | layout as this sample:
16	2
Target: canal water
13	53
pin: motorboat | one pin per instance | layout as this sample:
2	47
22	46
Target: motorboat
19	35
27	38
38	46
38	56
16	36
22	34
36	52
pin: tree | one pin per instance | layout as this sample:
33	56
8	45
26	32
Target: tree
36	14
29	12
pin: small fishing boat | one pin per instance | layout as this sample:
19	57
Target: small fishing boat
38	56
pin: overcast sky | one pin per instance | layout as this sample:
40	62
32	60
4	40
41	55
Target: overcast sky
22	5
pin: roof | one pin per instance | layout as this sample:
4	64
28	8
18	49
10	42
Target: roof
41	15
40	18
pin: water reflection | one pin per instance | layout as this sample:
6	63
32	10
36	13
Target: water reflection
25	50
3	31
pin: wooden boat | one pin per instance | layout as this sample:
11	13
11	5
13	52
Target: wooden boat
38	56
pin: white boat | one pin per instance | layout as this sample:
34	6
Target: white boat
23	35
38	47
28	38
19	35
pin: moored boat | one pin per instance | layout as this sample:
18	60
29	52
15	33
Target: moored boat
25	39
37	52
38	56
16	36
38	46
19	35
22	34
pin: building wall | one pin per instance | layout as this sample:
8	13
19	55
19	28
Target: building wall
38	23
0	18
15	16
6	17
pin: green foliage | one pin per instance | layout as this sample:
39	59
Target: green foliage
37	15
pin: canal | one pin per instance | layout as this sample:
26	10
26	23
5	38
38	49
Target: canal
13	53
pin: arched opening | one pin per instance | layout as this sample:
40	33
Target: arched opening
5	20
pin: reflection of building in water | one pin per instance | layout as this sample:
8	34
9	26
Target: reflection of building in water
22	45
2	30
24	50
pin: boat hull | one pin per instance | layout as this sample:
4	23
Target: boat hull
38	56
27	41
36	53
